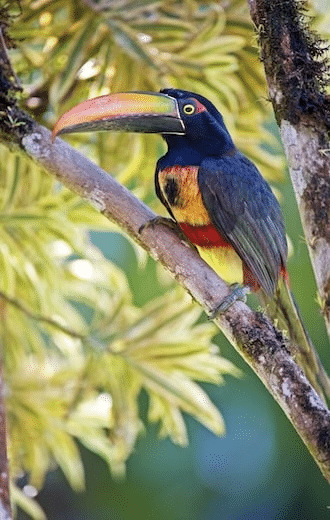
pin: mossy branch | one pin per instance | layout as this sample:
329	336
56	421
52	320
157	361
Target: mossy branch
297	72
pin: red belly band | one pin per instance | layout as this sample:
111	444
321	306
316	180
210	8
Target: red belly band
204	236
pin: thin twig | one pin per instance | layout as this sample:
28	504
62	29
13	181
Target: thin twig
38	317
5	509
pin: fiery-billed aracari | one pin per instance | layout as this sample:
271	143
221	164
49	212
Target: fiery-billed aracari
215	194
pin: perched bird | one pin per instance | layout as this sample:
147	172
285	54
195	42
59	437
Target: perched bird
216	195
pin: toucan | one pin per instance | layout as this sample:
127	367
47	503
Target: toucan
216	195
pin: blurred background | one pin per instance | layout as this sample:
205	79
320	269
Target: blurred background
94	431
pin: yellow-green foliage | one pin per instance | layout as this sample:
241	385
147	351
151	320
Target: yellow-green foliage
69	52
77	350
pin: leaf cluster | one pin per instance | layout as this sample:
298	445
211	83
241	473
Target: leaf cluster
77	351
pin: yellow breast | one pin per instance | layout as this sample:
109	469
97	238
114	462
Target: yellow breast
225	262
180	188
187	205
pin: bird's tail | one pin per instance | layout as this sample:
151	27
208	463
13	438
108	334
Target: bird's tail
283	310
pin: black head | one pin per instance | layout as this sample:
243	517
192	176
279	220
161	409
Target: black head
205	131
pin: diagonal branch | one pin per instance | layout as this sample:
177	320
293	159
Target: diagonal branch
252	334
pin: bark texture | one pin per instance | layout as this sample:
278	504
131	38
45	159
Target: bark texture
297	72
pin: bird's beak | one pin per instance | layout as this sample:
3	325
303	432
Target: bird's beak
129	112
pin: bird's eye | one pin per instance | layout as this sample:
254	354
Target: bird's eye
189	109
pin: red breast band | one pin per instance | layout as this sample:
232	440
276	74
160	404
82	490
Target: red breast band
204	236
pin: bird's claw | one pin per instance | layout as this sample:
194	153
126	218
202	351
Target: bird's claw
171	224
168	222
238	293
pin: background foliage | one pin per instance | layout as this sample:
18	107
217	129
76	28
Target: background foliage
93	353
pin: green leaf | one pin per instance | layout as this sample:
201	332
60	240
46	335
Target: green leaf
29	506
130	42
76	53
67	456
179	392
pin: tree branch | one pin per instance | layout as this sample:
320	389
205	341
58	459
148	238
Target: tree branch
253	335
297	72
5	509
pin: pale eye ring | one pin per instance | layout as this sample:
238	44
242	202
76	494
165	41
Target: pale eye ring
189	109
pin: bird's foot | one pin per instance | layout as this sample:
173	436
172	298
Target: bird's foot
170	223
238	293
